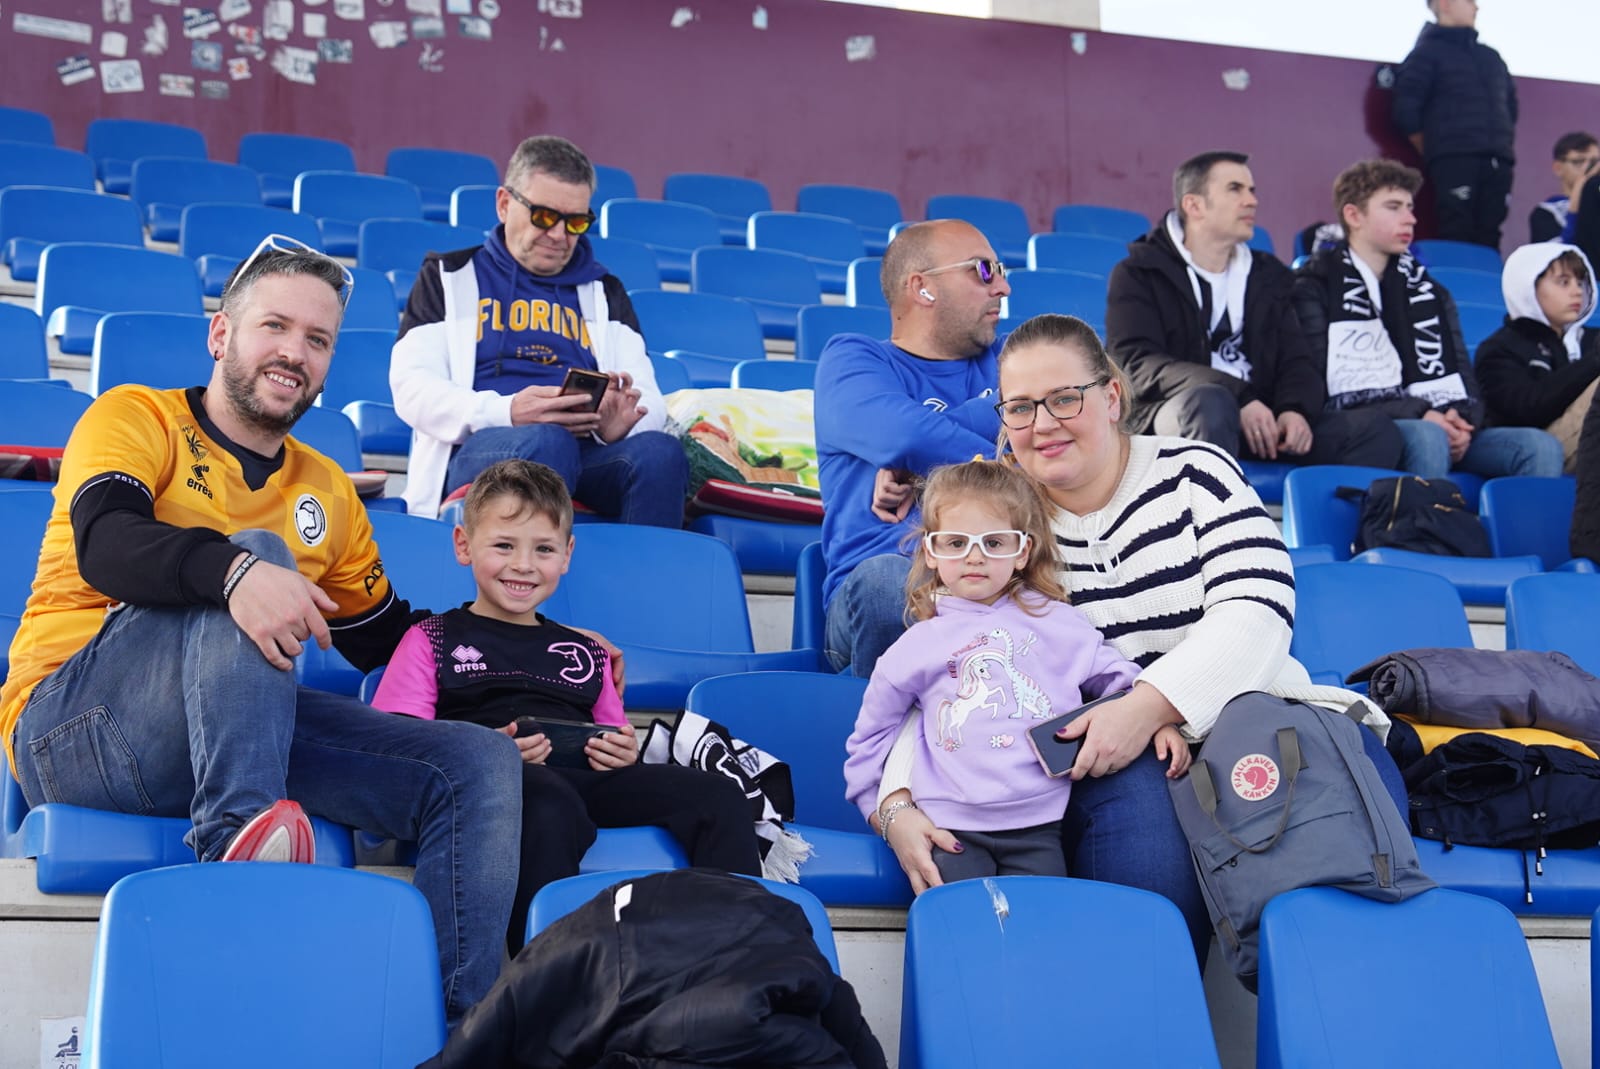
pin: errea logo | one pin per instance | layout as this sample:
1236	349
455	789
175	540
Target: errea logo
468	659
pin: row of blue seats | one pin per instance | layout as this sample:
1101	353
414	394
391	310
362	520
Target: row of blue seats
158	981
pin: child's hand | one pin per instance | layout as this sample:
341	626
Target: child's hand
1169	740
609	750
535	748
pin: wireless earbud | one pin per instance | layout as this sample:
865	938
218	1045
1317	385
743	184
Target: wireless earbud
925	295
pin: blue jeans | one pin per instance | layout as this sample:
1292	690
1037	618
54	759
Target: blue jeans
1494	451
174	712
867	613
641	479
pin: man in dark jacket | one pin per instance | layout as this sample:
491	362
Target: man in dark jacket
1456	101
1205	329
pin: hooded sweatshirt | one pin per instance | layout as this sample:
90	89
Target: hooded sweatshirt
1529	373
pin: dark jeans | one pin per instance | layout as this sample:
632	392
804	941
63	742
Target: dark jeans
1470	195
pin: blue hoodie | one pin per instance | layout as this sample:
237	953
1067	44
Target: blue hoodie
530	328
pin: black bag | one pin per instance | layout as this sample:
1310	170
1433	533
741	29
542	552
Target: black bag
1283	795
1423	515
1484	790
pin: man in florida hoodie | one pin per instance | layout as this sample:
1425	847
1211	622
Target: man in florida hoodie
489	335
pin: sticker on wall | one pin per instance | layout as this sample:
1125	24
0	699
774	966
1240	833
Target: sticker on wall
121	76
61	29
296	64
424	7
565	9
75	69
475	29
205	55
199	22
116	10
245	34
335	50
1237	79
315	3
167	3
155	37
114	43
431	59
758	17
314	24
175	85
1384	76
353	10
387	34
214	89
59	1042
239	68
861	47
682	17
489	9
458	7
427	26
277	19
1080	43
233	10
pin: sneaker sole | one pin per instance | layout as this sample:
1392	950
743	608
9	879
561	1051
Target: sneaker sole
280	832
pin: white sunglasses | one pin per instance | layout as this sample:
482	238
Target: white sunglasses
953	545
285	244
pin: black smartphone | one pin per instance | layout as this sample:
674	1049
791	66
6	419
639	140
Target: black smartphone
591	383
567	738
1056	756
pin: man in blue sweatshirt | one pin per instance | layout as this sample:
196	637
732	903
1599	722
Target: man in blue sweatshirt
487	340
890	411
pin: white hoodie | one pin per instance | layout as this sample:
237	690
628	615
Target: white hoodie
1520	277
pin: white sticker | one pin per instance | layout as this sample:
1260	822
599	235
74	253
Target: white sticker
758	17
335	50
114	43
314	25
60	1042
431	59
76	69
121	76
475	29
388	34
860	48
354	10
116	10
424	7
298	65
427	27
155	37
214	89
567	9
198	22
205	55
1080	43
239	68
175	85
277	20
229	10
682	17
61	29
489	9
1237	79
458	7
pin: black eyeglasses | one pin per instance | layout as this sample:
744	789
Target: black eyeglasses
987	270
544	218
1019	413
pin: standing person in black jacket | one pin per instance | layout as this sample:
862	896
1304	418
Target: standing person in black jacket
1455	100
1204	327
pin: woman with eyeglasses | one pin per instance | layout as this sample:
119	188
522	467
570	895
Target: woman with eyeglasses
1167	550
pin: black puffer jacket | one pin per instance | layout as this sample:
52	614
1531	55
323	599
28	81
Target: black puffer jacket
1456	92
1585	535
1526	376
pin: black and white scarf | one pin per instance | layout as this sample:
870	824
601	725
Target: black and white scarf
1394	344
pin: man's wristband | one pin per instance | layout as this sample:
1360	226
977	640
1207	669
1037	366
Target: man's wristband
888	813
237	574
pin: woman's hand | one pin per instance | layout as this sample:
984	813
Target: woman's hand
1116	733
912	837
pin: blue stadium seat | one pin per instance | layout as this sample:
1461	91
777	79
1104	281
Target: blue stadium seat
402	281
437	172
555	900
706	371
162	186
26	163
699	323
776	284
330	432
774	375
340	202
673	231
385	245
1319	946
873	211
828	243
1348	614
1438	252
23	516
609	183
1479	580
81	281
1478	321
810	623
25	124
1554	611
32	217
1314	514
1262	241
217	237
114	144
23	353
1564	884
764	547
380	429
356	948
1530	515
1064	292
474	207
671	375
1266	478
1119	224
280	158
818	323
970	942
372	302
359	370
630	261
1084	254
734	200
863	285
39	419
1469	286
1300	556
1003	222
163	350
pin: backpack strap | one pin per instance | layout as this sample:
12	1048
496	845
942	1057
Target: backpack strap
1205	789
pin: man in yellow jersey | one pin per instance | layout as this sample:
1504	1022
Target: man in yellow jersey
193	550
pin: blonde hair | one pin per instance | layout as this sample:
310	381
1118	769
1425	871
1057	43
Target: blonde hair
1070	332
1008	491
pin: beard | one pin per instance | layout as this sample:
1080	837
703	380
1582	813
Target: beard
240	389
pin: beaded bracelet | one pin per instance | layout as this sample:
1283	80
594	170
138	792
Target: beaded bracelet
887	815
237	574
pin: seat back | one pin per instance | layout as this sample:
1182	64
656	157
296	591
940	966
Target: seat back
659	224
1261	240
359	370
1440	252
631	261
1470	286
810	623
23	353
400	244
1319	946
611	182
50	215
1314	514
1525	514
819	237
970	942
173	958
699	322
1478	321
1554	611
39	414
1084	254
802	718
354	198
1347	614
1062	292
114	144
474	207
372	302
114	278
218	237
162	350
437	172
285	156
762	274
818	323
1119	224
863	284
29	163
330	432
419	559
23	516
25	124
731	197
774	375
1003	222
671	375
874	209
183	180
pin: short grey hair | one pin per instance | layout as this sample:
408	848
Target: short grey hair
554	156
1193	173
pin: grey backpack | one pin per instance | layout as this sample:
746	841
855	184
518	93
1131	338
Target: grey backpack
1283	796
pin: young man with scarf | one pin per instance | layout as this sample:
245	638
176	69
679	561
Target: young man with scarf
1387	337
489	335
1206	331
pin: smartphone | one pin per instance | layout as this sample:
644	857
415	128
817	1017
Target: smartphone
1056	756
591	383
567	738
